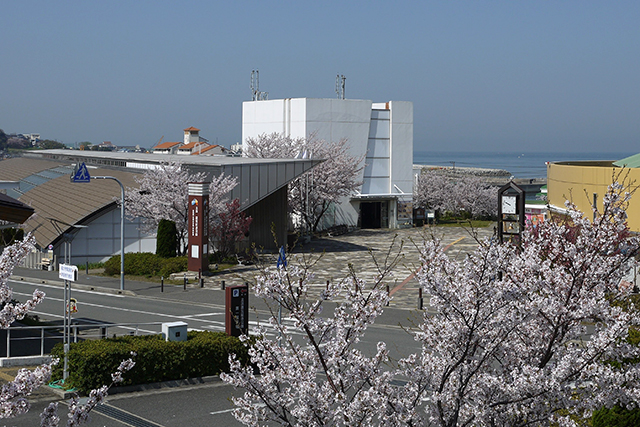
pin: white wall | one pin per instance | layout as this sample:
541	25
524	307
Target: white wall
101	239
381	131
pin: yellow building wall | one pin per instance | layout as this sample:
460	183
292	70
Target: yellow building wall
577	183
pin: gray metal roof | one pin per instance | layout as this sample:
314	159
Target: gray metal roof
257	178
57	201
45	184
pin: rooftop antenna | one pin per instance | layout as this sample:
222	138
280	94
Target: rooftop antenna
256	95
340	83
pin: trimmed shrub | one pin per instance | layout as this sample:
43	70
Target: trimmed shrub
616	417
145	264
91	363
173	265
166	240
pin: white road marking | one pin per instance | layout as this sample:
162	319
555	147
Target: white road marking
222	412
128	310
43	285
202	315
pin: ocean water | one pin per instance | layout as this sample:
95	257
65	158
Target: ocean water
520	165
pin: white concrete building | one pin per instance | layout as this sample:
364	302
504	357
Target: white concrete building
381	131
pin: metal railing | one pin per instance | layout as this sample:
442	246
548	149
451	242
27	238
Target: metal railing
83	331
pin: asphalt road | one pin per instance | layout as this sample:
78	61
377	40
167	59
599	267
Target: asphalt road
205	404
145	314
203	309
201	405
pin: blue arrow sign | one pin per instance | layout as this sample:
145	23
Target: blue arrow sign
82	174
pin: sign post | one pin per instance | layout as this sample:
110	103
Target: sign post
70	274
511	213
198	223
237	310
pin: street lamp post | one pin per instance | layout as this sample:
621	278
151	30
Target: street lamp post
81	174
121	226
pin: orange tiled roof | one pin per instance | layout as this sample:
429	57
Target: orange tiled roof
192	145
166	145
192	129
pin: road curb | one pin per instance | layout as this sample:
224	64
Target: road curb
144	387
76	286
164	385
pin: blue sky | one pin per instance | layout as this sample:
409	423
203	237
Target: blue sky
483	75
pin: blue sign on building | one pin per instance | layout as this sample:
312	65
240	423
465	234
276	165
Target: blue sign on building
81	174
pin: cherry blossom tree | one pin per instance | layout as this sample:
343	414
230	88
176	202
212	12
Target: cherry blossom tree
231	228
326	380
438	191
13	395
514	336
311	195
163	194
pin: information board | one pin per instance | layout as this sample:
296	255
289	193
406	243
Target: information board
68	272
237	310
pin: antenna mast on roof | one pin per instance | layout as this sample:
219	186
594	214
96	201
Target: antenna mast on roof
256	95
340	83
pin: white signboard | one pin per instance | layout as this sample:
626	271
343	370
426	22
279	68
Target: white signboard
68	272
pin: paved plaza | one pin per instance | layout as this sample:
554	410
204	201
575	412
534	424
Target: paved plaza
332	256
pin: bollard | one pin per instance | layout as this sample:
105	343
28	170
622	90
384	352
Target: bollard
87	268
222	285
420	301
201	282
185	282
161	283
325	294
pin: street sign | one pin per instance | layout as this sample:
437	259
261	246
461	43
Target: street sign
72	306
282	258
237	310
81	174
68	272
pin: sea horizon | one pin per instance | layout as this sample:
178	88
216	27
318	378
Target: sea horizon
520	164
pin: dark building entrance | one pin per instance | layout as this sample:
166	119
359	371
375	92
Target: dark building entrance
370	215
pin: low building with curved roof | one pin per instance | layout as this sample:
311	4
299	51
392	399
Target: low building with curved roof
90	213
583	182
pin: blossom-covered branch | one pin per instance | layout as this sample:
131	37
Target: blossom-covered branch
455	194
514	336
163	194
323	380
311	195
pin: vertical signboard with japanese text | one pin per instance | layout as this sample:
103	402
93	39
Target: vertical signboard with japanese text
198	223
237	310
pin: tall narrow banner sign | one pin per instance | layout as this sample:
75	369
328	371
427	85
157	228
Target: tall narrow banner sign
198	238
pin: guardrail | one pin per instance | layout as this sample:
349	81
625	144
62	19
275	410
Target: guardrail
31	334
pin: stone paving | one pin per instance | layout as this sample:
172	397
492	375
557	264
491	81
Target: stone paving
333	255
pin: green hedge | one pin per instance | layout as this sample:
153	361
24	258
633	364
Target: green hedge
616	417
145	264
91	363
